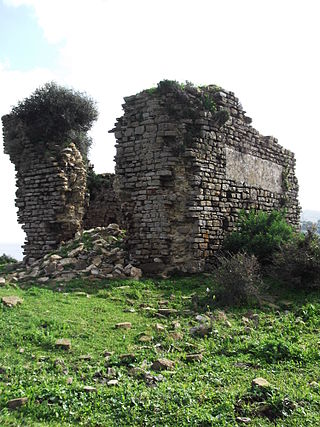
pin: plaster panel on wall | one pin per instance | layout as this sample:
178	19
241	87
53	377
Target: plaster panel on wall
253	171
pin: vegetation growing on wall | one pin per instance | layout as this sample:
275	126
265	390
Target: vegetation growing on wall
55	114
193	98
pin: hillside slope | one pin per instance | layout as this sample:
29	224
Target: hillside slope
177	365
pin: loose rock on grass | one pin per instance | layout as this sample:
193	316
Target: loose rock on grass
17	403
11	301
162	365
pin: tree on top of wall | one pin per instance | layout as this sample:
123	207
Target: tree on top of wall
55	115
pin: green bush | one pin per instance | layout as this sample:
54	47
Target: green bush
55	114
298	261
238	279
259	233
6	259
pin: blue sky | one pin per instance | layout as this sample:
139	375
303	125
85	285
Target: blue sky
22	42
266	51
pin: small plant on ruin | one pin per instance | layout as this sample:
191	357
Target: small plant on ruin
209	104
55	114
238	279
298	261
259	233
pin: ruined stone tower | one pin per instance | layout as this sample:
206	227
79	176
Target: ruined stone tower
45	137
187	162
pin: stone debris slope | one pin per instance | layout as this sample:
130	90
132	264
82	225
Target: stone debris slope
98	253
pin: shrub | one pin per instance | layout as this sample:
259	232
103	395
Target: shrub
259	233
54	113
298	261
238	279
7	259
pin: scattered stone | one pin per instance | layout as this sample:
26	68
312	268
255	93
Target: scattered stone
221	315
243	420
162	365
163	302
176	336
63	343
55	257
67	261
75	251
43	279
159	328
89	389
17	403
69	380
245	320
124	325
167	311
112	382
260	383
314	384
128	358
129	310
176	324
2	281
11	301
202	319
85	357
81	294
111	372
145	338
137	372
107	353
194	357
245	365
200	330
103	256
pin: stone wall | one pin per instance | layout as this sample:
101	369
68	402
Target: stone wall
104	205
187	162
51	183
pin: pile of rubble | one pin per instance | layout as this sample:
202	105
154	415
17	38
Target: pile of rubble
97	253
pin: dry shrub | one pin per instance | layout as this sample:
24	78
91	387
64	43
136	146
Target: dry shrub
298	262
238	279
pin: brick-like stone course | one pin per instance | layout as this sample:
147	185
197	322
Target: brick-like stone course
104	204
51	189
178	194
188	160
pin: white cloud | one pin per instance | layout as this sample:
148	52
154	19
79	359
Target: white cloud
265	51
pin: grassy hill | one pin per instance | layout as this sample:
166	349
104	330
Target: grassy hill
108	377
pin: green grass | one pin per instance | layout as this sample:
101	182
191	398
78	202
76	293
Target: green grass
284	348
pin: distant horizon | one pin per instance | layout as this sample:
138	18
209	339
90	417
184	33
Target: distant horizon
12	249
